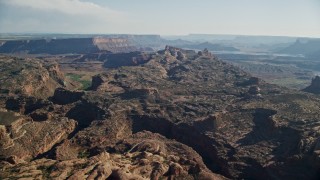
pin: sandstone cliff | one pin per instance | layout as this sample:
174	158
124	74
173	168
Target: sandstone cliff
68	46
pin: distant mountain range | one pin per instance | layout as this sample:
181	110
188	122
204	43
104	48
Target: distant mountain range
109	43
66	46
308	47
246	39
75	43
210	47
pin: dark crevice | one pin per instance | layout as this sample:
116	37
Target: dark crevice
63	96
84	114
185	134
50	153
264	127
25	105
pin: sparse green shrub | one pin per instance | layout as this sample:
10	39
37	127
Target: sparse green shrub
83	154
78	77
4	91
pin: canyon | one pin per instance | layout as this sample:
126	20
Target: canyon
170	114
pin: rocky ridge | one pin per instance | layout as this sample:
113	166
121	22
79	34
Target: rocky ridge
28	77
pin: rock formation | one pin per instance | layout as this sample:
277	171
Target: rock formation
151	156
29	77
25	139
314	87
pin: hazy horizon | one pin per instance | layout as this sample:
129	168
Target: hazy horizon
162	35
292	18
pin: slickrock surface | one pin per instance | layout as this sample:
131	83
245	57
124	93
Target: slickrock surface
141	156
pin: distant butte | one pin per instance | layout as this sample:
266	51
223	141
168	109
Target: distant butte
66	46
314	87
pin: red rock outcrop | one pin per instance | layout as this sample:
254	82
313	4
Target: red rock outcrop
29	77
20	140
150	156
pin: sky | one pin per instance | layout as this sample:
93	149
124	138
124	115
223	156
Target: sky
164	17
